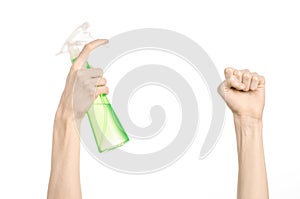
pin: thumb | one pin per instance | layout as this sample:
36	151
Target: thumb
228	84
223	88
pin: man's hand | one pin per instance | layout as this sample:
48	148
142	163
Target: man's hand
244	92
82	85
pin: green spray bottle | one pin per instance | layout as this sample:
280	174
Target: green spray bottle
107	129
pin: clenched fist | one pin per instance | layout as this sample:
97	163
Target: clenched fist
244	92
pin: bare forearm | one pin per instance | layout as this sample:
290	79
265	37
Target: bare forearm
81	89
65	179
252	180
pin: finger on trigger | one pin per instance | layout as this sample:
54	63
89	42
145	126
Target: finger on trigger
101	81
81	59
101	90
97	82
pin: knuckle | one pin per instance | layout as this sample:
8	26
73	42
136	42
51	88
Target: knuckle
106	89
237	73
255	78
103	80
99	71
96	72
228	70
262	79
247	75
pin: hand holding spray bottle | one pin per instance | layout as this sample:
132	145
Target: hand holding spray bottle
107	129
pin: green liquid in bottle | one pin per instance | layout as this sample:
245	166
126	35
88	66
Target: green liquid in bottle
107	129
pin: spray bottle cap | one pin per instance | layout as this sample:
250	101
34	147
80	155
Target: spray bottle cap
75	42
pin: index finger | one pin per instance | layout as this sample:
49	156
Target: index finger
81	59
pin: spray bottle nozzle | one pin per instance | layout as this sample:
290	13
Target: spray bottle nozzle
77	39
107	129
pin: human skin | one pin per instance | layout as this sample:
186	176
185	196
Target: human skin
81	89
244	93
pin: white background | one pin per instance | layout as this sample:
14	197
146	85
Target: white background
260	35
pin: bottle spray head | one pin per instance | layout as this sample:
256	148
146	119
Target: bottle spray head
75	42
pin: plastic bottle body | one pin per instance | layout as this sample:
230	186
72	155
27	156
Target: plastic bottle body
107	129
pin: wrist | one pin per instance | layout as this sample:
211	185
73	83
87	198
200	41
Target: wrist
248	126
248	136
65	116
247	119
